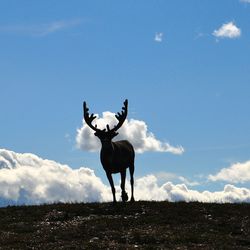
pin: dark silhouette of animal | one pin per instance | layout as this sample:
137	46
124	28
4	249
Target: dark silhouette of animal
115	156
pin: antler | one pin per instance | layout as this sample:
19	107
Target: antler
89	119
121	117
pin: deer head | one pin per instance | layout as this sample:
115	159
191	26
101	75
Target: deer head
106	134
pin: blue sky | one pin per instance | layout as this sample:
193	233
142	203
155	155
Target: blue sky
184	73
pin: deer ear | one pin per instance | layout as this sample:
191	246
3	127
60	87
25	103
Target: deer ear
115	134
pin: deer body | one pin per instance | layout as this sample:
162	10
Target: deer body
116	156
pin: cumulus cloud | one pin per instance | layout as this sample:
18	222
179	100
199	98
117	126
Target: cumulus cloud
133	130
227	30
237	173
29	179
42	29
147	188
158	37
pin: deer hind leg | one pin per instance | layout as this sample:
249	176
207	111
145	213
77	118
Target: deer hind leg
112	185
123	179
131	170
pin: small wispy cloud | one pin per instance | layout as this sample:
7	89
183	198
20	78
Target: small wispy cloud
166	177
159	37
188	182
200	34
227	30
41	29
67	137
220	147
245	1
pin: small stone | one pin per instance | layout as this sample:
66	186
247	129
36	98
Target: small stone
93	239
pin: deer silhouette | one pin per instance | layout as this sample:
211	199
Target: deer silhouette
115	156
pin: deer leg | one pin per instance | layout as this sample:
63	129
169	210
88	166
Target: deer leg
112	185
131	170
123	178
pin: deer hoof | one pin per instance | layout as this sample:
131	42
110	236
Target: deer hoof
124	196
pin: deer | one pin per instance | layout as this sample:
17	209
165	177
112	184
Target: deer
115	156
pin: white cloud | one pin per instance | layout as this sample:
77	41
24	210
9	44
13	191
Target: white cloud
158	37
187	182
227	30
147	188
166	177
133	130
29	179
237	173
33	180
39	29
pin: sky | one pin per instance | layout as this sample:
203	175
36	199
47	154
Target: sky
184	68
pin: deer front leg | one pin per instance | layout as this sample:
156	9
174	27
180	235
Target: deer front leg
109	176
123	178
131	170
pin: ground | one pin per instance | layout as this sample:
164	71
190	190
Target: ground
138	225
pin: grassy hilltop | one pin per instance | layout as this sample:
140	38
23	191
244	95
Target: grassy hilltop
141	225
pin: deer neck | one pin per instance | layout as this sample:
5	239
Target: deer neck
107	153
107	147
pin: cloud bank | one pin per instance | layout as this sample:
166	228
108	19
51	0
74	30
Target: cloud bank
237	173
26	178
227	30
133	130
147	188
29	179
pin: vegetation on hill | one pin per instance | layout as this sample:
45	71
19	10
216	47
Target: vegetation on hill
140	225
